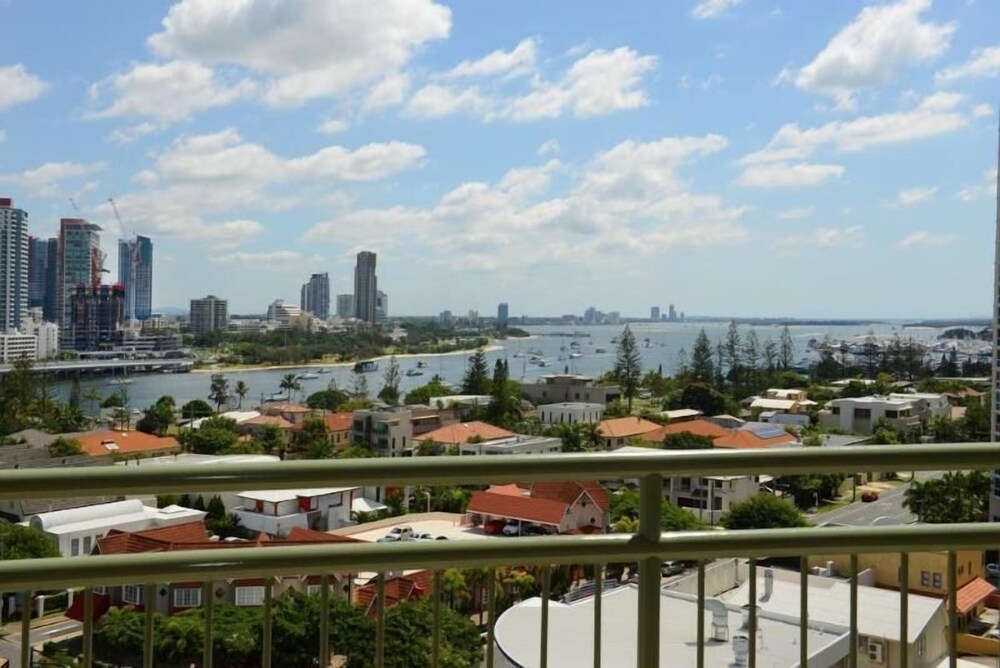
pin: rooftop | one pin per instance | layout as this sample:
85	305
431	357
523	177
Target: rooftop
577	405
626	427
698	427
461	432
102	443
279	495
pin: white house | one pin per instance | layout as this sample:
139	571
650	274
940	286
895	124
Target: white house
927	404
571	412
859	414
276	512
75	531
519	445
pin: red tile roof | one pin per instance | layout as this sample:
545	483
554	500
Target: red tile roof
263	420
397	589
542	511
339	421
461	432
744	439
194	536
973	593
569	492
271	409
697	427
125	443
625	427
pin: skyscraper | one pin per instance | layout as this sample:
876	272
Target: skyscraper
38	264
135	273
80	263
98	312
654	313
209	314
365	287
13	265
345	306
50	303
503	315
316	296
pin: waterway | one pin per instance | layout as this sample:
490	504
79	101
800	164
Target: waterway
665	340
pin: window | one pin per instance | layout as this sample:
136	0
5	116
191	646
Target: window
187	597
835	410
925	579
937	580
961	570
891	414
100	589
250	595
921	645
87	544
132	594
862	413
74	548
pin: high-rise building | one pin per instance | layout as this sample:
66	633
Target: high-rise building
503	315
13	265
345	306
473	317
38	264
671	313
279	311
316	296
50	303
445	318
97	314
381	307
365	287
208	314
80	263
654	313
591	316
135	273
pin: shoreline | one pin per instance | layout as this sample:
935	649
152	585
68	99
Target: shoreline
216	368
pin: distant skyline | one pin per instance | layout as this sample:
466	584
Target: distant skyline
737	157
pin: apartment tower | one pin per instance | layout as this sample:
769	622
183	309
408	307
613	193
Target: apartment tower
13	265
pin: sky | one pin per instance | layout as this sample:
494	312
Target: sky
733	157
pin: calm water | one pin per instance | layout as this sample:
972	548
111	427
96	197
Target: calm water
665	341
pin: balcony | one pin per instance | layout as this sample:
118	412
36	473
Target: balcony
635	624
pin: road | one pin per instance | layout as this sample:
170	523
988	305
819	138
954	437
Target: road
887	510
10	646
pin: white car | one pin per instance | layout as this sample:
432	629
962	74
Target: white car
397	534
428	536
511	529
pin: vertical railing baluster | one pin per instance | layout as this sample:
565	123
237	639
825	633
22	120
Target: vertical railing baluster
804	611
650	501
324	620
491	605
380	622
208	601
88	627
904	609
546	587
700	650
26	628
752	574
436	632
265	654
852	661
598	602
952	613
148	610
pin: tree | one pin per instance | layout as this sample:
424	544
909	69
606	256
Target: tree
195	409
64	447
571	436
502	409
327	400
953	498
702	367
314	439
628	365
290	383
520	582
215	436
92	396
763	511
20	542
454	590
625	505
157	418
704	398
425	393
732	354
114	400
270	439
751	355
219	391
786	350
120	631
685	440
241	391
390	383
476	380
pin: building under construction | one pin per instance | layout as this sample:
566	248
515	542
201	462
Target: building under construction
97	313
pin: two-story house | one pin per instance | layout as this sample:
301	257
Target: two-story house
396	431
551	507
277	512
555	388
859	414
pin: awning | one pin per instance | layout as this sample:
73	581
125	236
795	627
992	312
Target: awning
363	505
973	593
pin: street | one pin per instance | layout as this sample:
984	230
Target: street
887	510
10	646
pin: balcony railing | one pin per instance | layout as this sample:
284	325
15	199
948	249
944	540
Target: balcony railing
648	546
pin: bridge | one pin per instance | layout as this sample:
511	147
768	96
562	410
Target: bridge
105	366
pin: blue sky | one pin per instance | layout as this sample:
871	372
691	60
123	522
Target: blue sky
734	157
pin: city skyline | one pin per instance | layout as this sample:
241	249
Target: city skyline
637	152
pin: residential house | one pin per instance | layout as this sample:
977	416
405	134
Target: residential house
126	444
519	444
555	388
277	512
294	413
556	507
681	414
255	426
928	405
617	432
571	412
859	414
399	588
698	427
753	435
396	431
338	425
460	433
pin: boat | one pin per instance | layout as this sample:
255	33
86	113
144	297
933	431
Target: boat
575	345
414	372
324	371
308	375
543	363
278	396
601	350
517	355
119	381
575	356
366	366
421	364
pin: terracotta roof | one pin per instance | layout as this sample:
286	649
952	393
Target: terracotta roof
697	427
972	594
194	536
744	439
262	420
271	409
543	511
461	432
96	443
510	490
569	492
625	427
397	589
339	421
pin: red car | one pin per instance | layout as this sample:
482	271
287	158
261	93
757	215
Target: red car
493	527
868	497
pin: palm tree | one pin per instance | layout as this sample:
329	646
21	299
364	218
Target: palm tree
626	525
219	392
591	433
241	390
521	583
289	383
454	588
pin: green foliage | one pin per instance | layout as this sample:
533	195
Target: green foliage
786	351
625	506
503	409
289	383
270	439
764	511
216	508
114	400
425	393
628	366
952	498
20	542
806	490
313	439
64	447
476	380
327	400
390	383
158	417
616	409
702	367
241	391
685	440
705	398
196	408
215	436
219	390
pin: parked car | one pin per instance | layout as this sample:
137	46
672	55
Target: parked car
428	536
668	568
511	529
397	534
993	570
493	527
868	497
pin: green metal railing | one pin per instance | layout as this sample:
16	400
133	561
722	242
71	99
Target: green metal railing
648	547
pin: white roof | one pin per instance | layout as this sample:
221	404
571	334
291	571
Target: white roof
929	396
363	505
874	399
830	602
279	495
571	642
680	413
580	405
780	393
202	460
773	404
107	516
238	416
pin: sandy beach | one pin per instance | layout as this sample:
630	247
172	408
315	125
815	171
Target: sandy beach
216	368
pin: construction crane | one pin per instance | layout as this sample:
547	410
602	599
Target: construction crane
133	263
75	207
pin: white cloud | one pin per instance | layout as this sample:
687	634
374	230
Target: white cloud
129	134
985	188
626	202
823	237
796	213
925	239
713	9
389	92
305	49
519	61
873	48
435	101
788	175
911	196
166	93
270	260
688	82
48	180
551	147
982	111
984	63
18	86
934	115
332	126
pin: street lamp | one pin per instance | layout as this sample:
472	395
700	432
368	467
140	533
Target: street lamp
428	495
